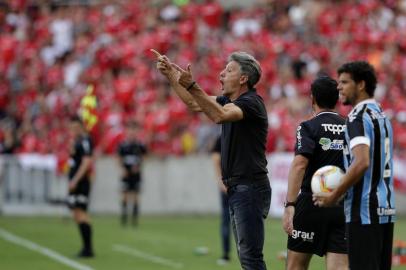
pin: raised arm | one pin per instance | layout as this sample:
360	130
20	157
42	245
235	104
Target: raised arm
227	113
166	69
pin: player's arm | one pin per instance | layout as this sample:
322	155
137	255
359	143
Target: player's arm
120	163
354	174
83	169
359	145
295	179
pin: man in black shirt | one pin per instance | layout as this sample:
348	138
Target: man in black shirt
319	142
243	116
131	153
79	183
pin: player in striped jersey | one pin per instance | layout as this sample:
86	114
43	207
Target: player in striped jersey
369	203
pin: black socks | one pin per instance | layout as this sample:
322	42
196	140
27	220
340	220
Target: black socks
86	234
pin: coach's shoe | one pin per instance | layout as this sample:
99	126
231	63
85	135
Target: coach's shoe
85	254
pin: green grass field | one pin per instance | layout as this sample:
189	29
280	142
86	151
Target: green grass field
158	243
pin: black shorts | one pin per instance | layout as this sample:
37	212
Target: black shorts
370	246
79	198
317	230
131	183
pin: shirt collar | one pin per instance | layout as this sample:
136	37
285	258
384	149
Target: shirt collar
366	101
323	112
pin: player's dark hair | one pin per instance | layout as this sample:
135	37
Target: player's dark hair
361	71
324	91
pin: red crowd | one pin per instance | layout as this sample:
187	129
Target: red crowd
50	53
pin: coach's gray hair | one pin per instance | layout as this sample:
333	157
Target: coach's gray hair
249	66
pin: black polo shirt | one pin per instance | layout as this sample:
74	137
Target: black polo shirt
321	140
243	142
82	148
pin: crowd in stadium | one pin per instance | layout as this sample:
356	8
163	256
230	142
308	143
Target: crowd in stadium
50	54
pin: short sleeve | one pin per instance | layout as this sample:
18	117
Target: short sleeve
357	132
222	100
86	147
305	144
250	107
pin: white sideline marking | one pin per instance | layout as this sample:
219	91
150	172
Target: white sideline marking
146	256
40	249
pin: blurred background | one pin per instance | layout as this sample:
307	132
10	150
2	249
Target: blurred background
91	57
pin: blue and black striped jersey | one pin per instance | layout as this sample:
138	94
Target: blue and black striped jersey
371	200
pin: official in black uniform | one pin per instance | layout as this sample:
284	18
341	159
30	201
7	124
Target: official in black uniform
79	183
319	142
131	153
242	114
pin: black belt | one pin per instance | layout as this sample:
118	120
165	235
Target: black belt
257	179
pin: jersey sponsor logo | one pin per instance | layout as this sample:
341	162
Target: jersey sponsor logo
336	129
352	117
382	211
299	137
306	236
327	144
346	151
377	115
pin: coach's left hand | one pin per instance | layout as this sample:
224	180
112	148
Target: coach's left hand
186	77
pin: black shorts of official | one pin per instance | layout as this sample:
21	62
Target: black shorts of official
370	246
317	230
131	183
79	198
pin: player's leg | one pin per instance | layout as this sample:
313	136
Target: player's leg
82	219
298	260
363	246
308	234
133	197
135	188
225	230
336	241
336	261
387	244
124	201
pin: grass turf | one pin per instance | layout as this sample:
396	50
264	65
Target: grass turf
158	243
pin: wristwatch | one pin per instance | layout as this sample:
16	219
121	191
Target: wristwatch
287	203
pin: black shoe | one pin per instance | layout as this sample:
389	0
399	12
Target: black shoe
85	254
